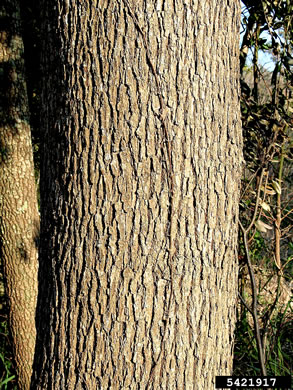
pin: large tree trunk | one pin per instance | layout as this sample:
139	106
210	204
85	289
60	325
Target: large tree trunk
139	194
19	217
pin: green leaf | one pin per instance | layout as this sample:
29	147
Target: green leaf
7	380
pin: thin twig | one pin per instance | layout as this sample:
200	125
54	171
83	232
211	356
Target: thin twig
286	215
254	303
257	202
264	80
245	304
272	308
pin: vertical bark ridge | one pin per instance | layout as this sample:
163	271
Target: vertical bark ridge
107	182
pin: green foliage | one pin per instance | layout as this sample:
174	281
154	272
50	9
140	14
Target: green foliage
245	349
280	357
7	376
266	206
7	371
280	360
258	247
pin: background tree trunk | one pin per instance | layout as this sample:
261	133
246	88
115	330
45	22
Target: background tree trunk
140	185
19	217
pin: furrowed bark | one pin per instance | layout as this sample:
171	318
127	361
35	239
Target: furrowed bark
138	263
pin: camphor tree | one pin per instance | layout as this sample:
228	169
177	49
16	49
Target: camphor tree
139	194
19	217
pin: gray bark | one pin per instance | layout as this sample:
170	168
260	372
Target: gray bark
140	192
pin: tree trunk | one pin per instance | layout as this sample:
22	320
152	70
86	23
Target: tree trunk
19	222
140	185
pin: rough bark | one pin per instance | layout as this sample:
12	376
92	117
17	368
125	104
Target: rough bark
140	183
19	217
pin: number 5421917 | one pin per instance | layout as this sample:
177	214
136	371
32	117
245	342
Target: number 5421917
228	382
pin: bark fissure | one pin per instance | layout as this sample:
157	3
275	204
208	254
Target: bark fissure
148	214
167	151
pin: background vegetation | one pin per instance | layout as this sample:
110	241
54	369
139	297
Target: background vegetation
264	342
